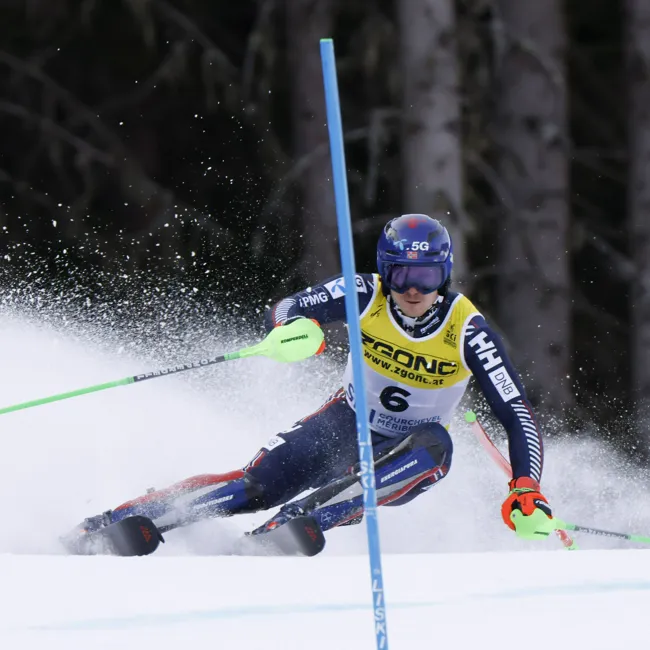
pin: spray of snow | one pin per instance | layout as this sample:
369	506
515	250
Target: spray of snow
66	460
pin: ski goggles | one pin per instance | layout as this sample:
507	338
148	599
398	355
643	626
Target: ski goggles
426	279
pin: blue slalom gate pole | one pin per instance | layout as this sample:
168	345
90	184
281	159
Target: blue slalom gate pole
354	332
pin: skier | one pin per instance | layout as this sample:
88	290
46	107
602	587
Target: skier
421	344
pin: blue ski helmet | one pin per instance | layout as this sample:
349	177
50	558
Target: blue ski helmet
415	250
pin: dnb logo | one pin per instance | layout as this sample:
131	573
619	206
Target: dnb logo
419	363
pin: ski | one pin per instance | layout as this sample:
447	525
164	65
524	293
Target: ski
298	536
138	535
128	537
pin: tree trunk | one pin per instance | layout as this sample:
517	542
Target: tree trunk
307	22
431	147
638	60
531	138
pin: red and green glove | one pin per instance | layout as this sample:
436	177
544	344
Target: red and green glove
526	497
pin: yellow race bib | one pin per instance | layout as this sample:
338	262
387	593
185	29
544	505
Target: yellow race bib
409	380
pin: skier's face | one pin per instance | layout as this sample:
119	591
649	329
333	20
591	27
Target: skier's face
413	303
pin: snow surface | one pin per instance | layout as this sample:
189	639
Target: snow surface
454	575
594	599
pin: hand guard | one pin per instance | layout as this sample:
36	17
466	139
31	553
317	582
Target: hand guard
525	496
321	349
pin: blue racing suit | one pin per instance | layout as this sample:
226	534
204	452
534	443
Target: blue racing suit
418	369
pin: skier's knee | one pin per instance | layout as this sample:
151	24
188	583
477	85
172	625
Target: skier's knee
427	453
266	491
436	439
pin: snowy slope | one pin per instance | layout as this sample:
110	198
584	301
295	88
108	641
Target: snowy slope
64	461
595	599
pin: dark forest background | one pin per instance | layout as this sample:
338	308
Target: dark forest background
183	143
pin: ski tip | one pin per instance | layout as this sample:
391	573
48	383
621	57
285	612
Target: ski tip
135	535
309	535
131	536
301	536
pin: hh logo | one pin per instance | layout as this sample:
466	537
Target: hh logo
146	533
492	363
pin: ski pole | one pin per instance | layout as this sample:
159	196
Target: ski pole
499	459
641	539
560	526
293	342
539	525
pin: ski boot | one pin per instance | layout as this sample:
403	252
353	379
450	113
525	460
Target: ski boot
100	535
82	539
290	531
285	514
